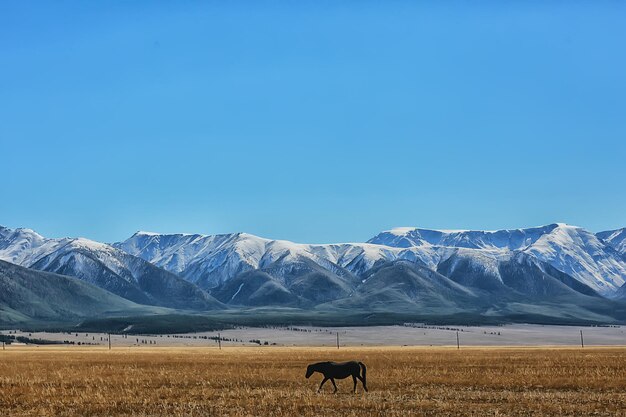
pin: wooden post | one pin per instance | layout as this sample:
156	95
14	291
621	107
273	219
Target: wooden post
109	335
2	345
458	345
582	341
337	340
219	341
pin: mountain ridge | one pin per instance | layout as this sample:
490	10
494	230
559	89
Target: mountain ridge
27	294
102	265
557	269
216	258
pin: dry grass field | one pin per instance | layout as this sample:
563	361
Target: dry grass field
269	381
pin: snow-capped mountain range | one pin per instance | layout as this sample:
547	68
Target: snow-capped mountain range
615	238
562	268
103	266
570	249
211	260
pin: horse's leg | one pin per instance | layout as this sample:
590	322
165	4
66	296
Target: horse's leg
354	380
362	382
334	385
322	384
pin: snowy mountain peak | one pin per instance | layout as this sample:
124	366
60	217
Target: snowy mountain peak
144	233
20	230
102	265
615	238
400	231
212	261
24	246
405	237
571	249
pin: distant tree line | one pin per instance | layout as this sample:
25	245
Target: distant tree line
8	339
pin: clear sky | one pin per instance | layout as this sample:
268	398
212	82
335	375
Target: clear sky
319	121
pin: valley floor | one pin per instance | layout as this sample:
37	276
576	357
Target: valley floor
257	381
413	335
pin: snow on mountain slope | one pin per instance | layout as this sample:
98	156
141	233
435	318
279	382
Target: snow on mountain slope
210	260
579	253
114	260
229	255
241	269
25	246
174	252
103	265
572	250
513	239
615	238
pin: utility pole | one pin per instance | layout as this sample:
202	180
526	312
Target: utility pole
458	345
219	341
582	341
109	336
337	340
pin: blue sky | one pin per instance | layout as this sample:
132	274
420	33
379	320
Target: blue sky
311	121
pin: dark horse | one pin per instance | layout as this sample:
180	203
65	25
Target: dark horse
339	370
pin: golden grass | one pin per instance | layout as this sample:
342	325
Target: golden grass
270	381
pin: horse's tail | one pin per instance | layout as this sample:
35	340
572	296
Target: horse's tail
364	369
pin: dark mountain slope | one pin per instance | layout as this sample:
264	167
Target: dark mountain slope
405	286
127	276
27	294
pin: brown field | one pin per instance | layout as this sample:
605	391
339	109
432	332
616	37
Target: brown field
269	381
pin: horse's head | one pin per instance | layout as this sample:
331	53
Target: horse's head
309	371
